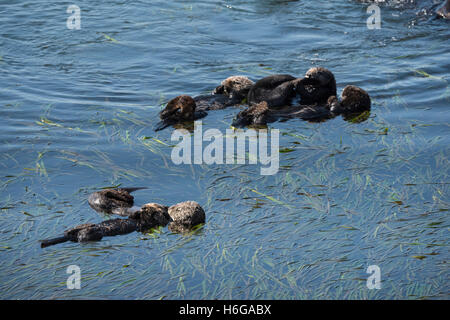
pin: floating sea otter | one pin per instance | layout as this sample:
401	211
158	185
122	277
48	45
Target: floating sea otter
232	91
353	100
276	91
275	97
281	90
114	201
181	218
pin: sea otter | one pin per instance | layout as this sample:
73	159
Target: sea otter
181	218
94	232
353	100
180	109
316	87
256	115
281	89
236	88
113	201
185	215
230	92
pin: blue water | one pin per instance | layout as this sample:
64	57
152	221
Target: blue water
77	112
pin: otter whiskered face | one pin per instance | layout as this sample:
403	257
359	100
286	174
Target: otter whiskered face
355	99
322	76
179	108
317	86
235	87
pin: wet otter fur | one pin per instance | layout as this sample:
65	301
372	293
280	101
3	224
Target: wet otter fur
113	201
179	109
94	232
255	115
316	87
276	90
151	215
185	216
232	91
353	100
182	217
236	88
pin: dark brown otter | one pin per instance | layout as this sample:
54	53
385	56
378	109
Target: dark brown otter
255	115
353	99
113	201
316	87
231	92
277	90
151	215
179	109
182	217
94	232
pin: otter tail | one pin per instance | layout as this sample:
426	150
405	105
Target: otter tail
53	241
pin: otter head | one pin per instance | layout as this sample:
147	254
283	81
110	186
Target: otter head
321	77
353	99
185	216
181	108
235	87
317	86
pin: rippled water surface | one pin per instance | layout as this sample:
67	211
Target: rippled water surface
77	113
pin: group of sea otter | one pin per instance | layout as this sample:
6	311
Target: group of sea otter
272	98
276	97
180	217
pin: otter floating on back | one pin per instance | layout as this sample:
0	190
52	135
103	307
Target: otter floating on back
181	218
275	97
230	92
353	100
